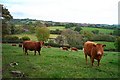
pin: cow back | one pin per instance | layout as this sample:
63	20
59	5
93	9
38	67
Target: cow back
88	47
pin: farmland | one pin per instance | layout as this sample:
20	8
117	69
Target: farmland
110	45
56	27
105	31
56	63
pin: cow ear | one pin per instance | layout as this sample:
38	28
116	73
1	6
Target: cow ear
94	45
103	45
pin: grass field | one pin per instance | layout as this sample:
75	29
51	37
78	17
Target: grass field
33	36
56	63
105	31
56	27
109	45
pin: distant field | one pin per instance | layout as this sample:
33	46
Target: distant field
56	27
105	31
53	35
33	37
109	45
56	63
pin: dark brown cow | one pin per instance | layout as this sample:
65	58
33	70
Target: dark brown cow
20	45
94	51
65	48
32	45
13	44
73	48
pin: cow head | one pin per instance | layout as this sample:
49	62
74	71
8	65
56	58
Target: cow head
41	43
99	48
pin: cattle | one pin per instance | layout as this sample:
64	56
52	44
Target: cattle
32	46
74	48
48	46
13	44
65	48
20	45
94	51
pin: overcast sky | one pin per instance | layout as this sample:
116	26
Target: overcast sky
81	11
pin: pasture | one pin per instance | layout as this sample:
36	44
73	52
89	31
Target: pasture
56	27
56	63
105	31
101	30
33	36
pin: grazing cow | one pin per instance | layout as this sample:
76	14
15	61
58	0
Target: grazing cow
13	44
31	45
94	51
65	48
73	48
48	46
20	45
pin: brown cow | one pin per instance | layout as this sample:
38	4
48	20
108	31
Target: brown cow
65	48
20	45
13	44
94	51
32	45
73	48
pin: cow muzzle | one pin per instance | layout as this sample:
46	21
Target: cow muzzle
99	53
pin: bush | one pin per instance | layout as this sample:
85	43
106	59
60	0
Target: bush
52	44
57	31
108	38
24	38
95	31
42	33
87	34
117	44
73	38
11	39
116	32
78	29
56	45
61	40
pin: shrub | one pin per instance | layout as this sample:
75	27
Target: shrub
87	34
52	44
117	43
108	38
42	33
24	38
95	31
57	31
61	40
116	32
78	29
73	38
11	39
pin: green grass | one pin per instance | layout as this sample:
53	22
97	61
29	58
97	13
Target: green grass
53	35
56	27
105	31
56	63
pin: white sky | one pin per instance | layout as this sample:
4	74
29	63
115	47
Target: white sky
81	11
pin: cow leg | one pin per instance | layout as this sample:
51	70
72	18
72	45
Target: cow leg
98	62
39	52
92	60
26	52
86	58
35	52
